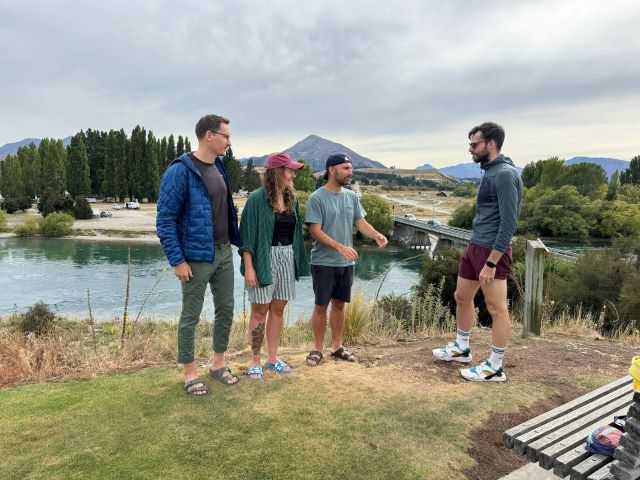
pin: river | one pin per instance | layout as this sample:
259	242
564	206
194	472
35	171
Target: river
59	272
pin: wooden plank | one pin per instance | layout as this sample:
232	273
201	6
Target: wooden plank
603	474
573	438
578	425
563	464
509	436
587	468
520	443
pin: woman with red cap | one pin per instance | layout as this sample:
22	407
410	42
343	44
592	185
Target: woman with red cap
273	258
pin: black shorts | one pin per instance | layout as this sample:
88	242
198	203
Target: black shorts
331	282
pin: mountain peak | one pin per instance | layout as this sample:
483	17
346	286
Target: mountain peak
315	150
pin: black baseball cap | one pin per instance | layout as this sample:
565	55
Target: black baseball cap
333	160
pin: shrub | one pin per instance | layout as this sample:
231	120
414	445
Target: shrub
54	202
38	319
24	203
82	209
57	224
378	212
10	205
28	228
463	216
3	219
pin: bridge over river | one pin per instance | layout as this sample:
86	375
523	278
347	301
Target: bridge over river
433	235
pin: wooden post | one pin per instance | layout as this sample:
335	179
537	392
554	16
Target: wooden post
533	283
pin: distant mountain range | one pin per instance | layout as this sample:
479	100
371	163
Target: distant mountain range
315	150
426	166
12	148
610	165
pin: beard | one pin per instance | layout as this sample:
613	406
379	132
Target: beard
481	158
344	181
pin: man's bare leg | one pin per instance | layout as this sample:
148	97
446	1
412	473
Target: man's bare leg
319	326
495	296
336	319
465	293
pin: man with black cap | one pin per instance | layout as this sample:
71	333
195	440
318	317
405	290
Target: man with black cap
331	213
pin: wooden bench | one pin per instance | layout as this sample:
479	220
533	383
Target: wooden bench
556	439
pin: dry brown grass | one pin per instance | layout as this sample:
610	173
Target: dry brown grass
70	353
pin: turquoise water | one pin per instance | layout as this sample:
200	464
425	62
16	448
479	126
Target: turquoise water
60	271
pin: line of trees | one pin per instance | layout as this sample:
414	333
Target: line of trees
574	201
98	163
112	164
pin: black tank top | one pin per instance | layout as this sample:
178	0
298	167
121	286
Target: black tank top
283	229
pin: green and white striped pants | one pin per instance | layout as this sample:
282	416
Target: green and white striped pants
283	273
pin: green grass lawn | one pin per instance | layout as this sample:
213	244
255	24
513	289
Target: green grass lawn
337	421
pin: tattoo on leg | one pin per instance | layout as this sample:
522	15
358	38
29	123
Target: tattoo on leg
257	336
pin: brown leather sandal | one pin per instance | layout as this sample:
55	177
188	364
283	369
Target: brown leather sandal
314	358
344	354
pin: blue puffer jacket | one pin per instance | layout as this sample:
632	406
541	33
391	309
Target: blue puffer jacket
184	222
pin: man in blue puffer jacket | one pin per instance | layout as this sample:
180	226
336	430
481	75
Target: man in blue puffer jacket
196	224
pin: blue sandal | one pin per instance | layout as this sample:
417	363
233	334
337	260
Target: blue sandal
255	370
280	366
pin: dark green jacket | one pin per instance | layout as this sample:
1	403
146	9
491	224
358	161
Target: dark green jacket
256	232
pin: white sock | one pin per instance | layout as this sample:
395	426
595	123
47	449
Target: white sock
462	338
497	354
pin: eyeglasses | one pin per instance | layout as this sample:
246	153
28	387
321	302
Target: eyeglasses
473	145
225	135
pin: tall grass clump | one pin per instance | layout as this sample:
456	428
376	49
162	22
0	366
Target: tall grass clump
28	228
357	316
423	312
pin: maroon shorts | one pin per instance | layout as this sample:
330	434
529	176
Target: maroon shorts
474	258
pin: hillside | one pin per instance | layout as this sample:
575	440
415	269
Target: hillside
12	148
315	150
433	174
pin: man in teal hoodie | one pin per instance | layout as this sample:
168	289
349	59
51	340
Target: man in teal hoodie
486	262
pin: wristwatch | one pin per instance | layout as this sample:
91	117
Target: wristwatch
490	264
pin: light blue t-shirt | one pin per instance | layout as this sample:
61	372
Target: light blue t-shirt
336	212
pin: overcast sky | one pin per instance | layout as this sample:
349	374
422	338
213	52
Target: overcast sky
399	82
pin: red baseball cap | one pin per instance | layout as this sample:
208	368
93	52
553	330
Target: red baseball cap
280	159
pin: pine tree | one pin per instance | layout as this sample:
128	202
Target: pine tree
109	182
162	156
251	177
136	161
187	145
79	182
234	170
150	179
180	146
30	163
171	150
12	184
54	175
121	161
95	143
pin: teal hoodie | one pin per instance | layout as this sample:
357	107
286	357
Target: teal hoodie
498	205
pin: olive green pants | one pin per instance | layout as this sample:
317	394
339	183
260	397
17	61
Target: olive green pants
219	276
